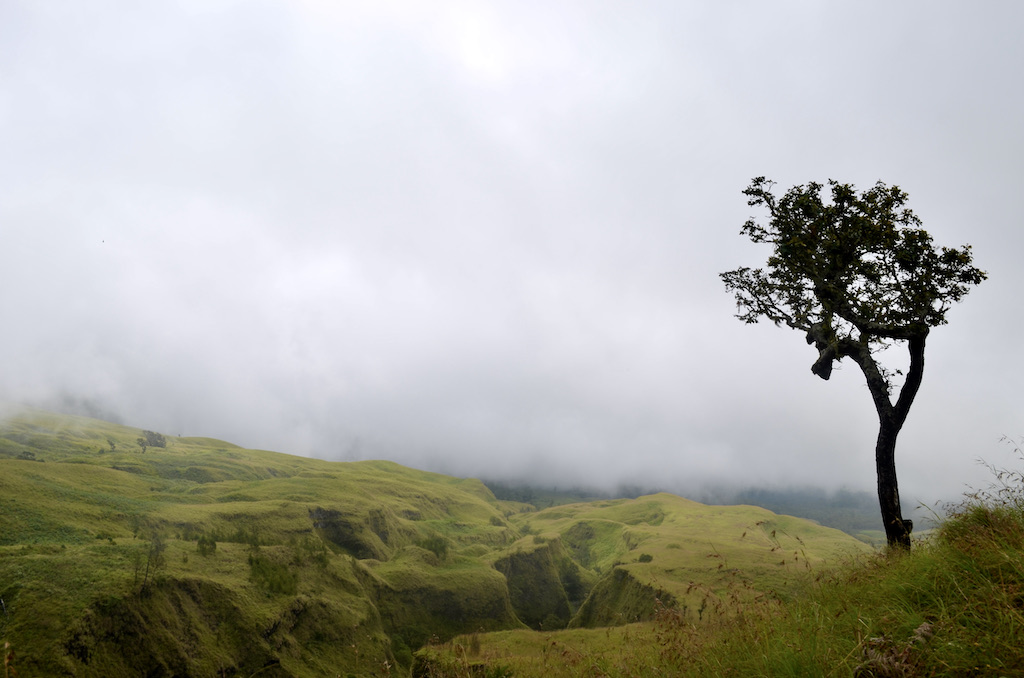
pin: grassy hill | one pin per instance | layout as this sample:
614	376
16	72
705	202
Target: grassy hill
194	557
953	606
853	512
665	550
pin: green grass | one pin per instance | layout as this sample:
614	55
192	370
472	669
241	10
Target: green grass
270	562
687	548
953	606
77	521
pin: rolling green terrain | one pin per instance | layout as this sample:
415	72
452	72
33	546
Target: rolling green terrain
852	511
123	552
952	606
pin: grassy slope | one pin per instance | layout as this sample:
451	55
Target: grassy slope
76	526
326	565
669	549
954	606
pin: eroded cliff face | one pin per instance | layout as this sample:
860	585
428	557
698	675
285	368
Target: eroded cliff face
368	613
620	598
182	627
421	588
419	605
373	534
535	586
376	612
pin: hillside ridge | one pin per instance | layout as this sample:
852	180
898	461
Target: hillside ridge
198	557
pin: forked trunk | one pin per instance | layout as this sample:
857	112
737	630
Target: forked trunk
890	421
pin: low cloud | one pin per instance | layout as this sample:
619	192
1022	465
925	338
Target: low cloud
486	241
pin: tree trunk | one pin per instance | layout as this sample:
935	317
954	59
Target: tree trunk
897	530
890	421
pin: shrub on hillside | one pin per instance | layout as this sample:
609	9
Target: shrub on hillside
155	439
206	545
437	544
271	576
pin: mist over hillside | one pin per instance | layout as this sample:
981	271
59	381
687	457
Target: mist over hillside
485	239
853	511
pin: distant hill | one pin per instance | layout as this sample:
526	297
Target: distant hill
853	512
128	552
540	496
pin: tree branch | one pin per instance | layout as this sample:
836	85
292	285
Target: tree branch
878	385
914	376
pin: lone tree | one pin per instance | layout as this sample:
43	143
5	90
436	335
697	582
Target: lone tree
155	439
856	275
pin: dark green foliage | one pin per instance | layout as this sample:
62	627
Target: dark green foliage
242	534
150	439
858	265
311	550
154	559
535	587
155	439
206	545
572	583
645	558
436	544
578	540
400	650
271	576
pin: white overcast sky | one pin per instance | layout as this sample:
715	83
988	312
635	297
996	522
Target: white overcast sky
484	237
